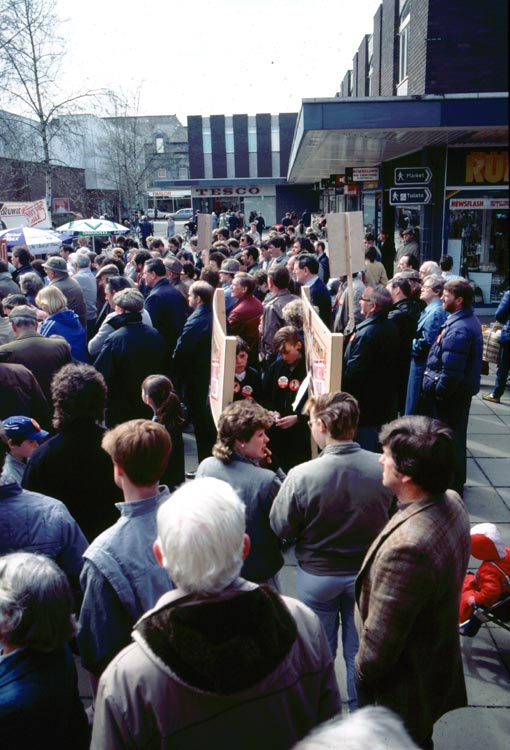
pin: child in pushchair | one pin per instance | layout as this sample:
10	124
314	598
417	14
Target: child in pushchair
486	593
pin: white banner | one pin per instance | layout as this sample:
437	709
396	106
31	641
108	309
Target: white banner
25	214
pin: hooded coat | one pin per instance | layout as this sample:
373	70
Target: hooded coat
241	668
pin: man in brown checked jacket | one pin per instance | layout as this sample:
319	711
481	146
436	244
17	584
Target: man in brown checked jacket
408	589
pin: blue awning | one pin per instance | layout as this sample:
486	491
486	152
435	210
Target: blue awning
332	134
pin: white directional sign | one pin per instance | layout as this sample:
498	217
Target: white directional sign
412	176
409	196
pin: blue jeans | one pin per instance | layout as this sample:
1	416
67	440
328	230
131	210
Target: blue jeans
503	369
416	371
332	598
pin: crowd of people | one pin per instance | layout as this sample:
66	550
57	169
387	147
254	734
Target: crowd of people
169	591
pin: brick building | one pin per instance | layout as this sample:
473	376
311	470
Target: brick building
428	90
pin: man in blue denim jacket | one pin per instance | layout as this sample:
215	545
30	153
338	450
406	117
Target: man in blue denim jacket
429	323
121	578
33	522
453	369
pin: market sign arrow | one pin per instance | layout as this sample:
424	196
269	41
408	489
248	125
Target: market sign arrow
412	176
409	196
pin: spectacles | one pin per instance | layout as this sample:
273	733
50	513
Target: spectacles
364	299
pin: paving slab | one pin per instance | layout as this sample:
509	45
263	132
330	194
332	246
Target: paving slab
485	504
487	679
489	446
480	407
486	424
497	470
504	493
475	476
473	728
501	638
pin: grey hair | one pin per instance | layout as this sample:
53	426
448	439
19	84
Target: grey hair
22	321
130	300
293	313
80	260
201	533
374	727
381	297
31	283
430	268
36	602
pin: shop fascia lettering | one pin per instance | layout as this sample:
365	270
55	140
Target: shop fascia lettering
487	167
204	192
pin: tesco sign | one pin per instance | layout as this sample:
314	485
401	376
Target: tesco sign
218	191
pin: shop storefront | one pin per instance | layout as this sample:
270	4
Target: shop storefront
476	217
169	200
236	197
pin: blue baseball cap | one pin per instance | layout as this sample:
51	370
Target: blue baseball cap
24	427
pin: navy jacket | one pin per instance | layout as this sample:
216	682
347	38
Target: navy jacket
167	308
192	355
321	299
503	316
454	364
40	704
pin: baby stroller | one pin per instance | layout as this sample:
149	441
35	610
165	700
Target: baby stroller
499	614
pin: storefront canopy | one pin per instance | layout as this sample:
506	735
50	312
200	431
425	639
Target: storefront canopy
332	134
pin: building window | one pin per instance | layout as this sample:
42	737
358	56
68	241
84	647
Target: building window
161	173
206	138
404	48
370	55
183	173
252	139
275	138
160	146
229	140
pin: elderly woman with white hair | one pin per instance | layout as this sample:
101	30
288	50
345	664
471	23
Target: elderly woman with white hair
39	701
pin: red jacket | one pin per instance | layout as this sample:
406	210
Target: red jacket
244	320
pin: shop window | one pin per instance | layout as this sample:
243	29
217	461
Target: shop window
479	238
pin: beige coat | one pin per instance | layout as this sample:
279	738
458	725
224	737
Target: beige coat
143	703
375	273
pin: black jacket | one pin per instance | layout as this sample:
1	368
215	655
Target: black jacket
168	310
128	356
370	366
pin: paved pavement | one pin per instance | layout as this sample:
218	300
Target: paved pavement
486	720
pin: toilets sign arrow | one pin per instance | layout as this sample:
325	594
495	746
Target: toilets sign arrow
409	196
